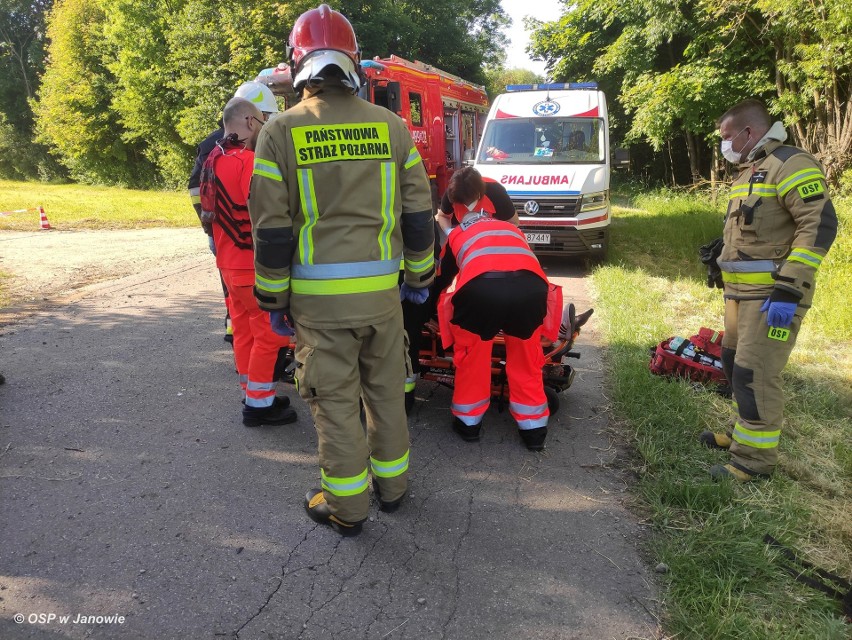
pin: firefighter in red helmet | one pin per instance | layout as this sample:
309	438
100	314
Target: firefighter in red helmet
339	196
500	286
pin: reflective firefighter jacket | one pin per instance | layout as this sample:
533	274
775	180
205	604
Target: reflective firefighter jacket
779	226
339	197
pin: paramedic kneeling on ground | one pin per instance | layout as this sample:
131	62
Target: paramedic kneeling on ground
779	227
500	285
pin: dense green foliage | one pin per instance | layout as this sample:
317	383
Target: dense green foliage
131	86
677	65
120	91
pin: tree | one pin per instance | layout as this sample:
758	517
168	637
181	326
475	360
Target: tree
22	35
74	104
497	78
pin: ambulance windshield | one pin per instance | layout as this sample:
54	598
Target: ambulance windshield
544	141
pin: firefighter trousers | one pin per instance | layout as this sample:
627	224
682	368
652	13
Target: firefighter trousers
753	355
336	367
256	345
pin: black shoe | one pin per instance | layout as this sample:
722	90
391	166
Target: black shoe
534	438
229	338
318	511
468	433
387	506
279	412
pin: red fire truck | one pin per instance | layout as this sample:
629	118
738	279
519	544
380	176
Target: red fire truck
444	113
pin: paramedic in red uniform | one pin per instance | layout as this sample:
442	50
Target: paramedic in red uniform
256	345
500	286
416	315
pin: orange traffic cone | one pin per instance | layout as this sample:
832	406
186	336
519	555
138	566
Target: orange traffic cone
43	223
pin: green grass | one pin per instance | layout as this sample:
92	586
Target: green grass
724	582
77	207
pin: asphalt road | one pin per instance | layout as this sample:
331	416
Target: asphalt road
129	488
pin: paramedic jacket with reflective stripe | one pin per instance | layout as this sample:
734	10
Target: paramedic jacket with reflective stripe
339	196
482	243
779	226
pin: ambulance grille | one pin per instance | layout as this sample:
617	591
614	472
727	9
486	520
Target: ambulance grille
550	207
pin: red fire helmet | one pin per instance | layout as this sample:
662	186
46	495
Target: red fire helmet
322	29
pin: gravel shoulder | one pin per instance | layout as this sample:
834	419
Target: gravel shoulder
45	267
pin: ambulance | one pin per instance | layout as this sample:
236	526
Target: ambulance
548	145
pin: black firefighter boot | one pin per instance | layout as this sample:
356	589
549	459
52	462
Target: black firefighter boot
534	438
279	412
318	511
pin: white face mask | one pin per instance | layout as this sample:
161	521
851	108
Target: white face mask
727	148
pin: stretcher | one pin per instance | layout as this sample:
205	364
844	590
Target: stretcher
436	364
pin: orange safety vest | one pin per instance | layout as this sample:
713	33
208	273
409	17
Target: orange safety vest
481	244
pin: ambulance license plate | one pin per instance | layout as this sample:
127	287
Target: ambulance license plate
537	238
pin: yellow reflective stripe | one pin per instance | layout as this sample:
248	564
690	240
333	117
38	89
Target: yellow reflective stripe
419	266
747	278
195	199
308	198
756	439
745	190
413	158
350	486
367	284
390	469
273	286
266	169
805	257
388	203
798	178
410	385
347	141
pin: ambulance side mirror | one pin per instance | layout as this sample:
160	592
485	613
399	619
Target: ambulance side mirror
394	97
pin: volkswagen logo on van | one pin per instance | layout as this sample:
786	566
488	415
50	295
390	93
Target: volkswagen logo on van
531	207
546	108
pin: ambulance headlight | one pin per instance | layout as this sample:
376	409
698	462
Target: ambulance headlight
592	201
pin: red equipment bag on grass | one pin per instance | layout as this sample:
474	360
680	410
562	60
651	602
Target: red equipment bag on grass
699	358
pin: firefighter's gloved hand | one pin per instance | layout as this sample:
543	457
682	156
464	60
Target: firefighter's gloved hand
281	322
207	218
779	314
415	296
708	254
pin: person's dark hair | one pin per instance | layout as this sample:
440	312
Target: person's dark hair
748	112
466	186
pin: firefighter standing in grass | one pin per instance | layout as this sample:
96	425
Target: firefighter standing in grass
339	196
261	96
500	286
224	187
779	226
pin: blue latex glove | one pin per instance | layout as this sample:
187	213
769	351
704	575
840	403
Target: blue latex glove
281	322
415	296
779	314
212	245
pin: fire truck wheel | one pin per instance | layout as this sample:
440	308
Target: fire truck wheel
552	399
